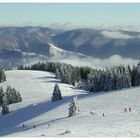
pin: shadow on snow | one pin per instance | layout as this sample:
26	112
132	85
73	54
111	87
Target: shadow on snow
19	116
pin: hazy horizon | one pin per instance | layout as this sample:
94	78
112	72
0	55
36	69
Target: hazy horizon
76	14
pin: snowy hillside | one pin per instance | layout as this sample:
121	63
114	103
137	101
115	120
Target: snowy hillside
56	52
37	109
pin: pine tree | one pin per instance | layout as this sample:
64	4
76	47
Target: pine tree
57	74
9	95
19	98
5	108
90	82
74	108
1	95
56	93
13	96
2	76
108	85
137	75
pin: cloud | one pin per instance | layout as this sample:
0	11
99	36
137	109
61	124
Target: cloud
116	35
114	60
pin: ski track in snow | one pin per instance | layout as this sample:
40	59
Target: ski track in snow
36	89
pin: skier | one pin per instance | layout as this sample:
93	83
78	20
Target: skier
103	114
129	109
23	125
125	110
49	124
34	126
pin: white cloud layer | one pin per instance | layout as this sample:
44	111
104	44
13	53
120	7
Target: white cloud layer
116	35
114	60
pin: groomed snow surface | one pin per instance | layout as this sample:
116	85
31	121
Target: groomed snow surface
51	118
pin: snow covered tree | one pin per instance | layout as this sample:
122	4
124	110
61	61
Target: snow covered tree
96	80
74	108
19	98
57	74
13	96
123	78
2	76
9	95
90	82
108	84
5	108
136	75
56	93
1	95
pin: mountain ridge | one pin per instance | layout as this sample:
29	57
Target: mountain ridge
83	42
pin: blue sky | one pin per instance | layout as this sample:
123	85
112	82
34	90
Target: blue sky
79	14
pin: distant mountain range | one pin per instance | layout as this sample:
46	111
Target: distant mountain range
99	43
23	44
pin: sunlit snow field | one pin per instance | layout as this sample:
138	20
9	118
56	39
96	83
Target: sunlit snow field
51	118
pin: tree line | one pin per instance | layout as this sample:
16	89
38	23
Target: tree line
66	72
96	80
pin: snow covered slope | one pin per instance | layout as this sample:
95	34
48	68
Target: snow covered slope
56	52
37	109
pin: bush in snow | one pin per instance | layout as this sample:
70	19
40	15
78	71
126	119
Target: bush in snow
56	93
74	108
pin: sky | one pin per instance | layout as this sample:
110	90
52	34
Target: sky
76	14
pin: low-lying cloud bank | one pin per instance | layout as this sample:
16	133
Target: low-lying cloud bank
116	35
114	60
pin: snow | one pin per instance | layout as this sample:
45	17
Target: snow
51	118
56	52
